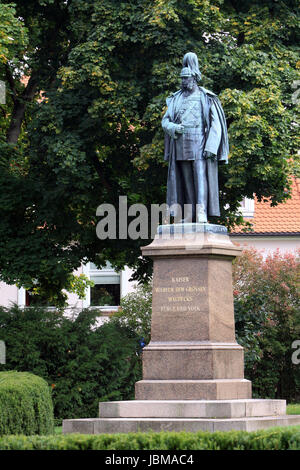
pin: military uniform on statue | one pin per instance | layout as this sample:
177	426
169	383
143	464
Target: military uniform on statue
195	141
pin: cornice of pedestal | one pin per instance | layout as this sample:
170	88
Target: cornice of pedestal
192	240
189	345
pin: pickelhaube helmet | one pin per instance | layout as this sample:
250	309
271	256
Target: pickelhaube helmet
186	72
190	60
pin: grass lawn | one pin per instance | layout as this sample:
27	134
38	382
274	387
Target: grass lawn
293	409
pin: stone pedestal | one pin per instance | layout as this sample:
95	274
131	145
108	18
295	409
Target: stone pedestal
193	354
193	369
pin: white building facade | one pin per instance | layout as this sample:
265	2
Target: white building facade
109	287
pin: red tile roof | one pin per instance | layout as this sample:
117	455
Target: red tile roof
281	219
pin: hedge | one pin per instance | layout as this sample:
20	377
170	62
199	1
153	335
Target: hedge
82	363
271	439
25	404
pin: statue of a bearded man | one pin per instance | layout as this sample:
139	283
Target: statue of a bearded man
196	141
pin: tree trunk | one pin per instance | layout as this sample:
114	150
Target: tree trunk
16	122
19	110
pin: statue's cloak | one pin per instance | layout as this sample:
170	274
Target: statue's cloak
174	189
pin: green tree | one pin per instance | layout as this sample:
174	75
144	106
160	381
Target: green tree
106	68
33	45
13	43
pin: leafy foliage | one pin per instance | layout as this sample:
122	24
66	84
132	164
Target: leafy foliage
105	69
25	404
267	306
13	39
136	310
82	362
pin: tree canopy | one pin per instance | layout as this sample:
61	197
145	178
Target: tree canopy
104	69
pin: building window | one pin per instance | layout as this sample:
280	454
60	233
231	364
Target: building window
106	291
27	299
104	295
33	300
247	207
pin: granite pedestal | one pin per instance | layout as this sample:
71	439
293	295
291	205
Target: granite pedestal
193	368
193	354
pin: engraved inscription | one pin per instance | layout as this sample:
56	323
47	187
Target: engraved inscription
189	289
180	279
189	294
180	308
195	289
164	289
180	299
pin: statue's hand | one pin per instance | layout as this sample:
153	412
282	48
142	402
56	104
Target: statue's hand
179	129
209	155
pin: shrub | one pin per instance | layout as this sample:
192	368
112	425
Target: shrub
83	363
101	365
25	404
267	315
271	439
136	310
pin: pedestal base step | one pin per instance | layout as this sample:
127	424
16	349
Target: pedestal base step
183	415
125	425
192	408
216	389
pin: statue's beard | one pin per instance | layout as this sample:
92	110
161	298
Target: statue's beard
187	87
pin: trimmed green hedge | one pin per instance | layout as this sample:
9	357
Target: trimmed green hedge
271	439
25	404
83	363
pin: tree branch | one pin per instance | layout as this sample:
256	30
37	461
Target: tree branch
11	82
99	171
3	112
30	90
19	110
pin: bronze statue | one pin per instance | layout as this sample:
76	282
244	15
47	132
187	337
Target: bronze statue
195	141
